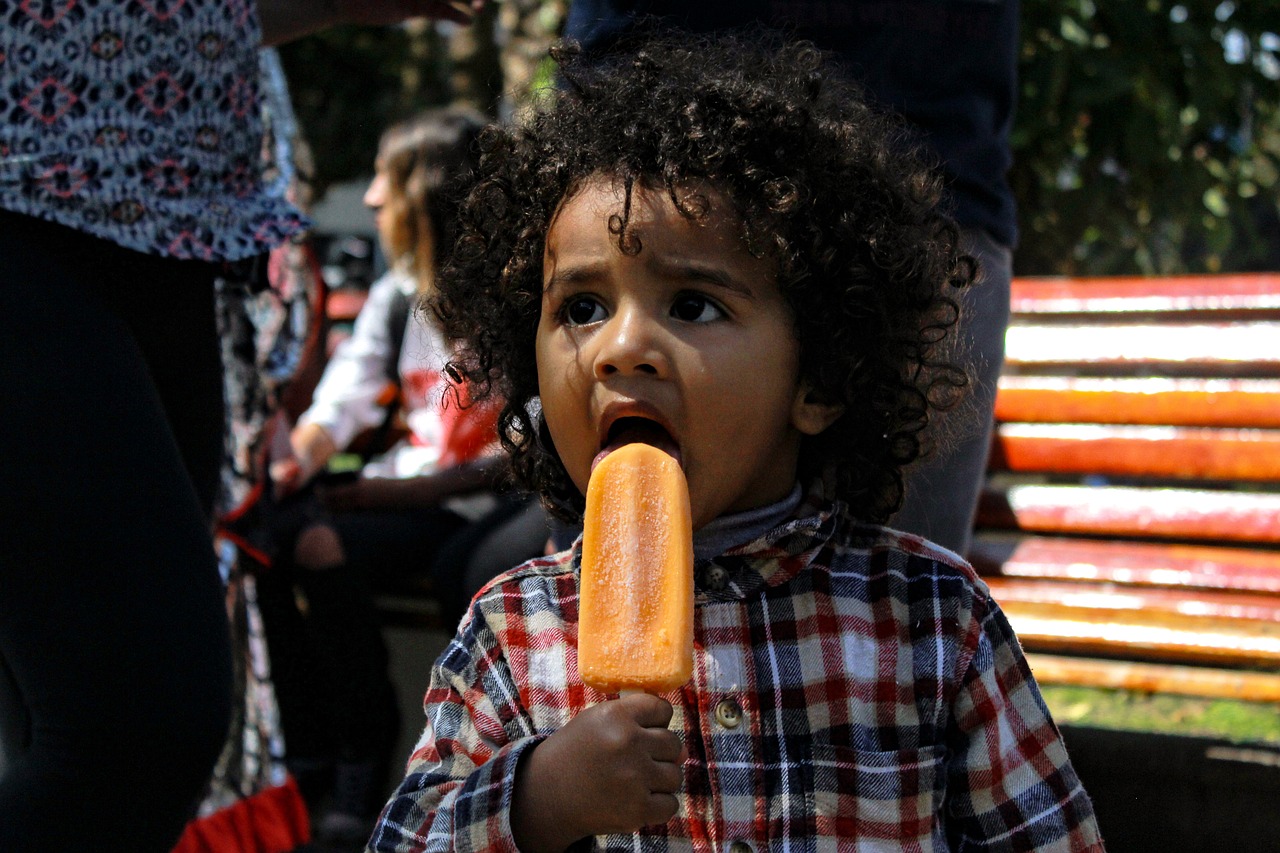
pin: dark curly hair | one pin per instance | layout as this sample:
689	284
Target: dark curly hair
829	187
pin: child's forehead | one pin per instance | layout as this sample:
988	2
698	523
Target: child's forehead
646	202
604	217
651	240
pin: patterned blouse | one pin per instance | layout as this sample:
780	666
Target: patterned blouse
854	688
138	121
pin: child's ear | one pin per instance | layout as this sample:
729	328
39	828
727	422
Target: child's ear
810	413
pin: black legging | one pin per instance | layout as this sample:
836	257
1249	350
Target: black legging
115	663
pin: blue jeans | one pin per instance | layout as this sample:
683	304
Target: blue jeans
942	489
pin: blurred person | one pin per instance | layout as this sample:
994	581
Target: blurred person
429	498
129	181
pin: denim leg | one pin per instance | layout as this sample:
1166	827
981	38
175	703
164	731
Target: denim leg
942	489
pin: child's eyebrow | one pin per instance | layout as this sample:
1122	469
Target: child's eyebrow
680	269
692	268
573	275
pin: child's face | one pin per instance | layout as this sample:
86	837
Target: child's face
692	334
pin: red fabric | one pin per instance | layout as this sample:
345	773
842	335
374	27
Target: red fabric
469	428
273	820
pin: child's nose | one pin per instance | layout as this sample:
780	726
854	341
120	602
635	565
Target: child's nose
631	343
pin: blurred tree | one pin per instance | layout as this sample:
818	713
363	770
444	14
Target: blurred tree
350	83
528	28
1147	138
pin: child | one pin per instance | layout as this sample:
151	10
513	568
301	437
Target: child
718	248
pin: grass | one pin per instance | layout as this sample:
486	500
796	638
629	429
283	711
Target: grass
1243	722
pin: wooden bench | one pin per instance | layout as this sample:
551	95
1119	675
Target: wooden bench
1130	527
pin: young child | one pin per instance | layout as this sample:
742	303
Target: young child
718	248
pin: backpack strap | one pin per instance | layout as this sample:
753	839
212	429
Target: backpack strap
398	317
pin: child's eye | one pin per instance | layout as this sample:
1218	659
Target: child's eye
581	310
695	308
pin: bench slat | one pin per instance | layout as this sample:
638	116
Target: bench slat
1140	400
1155	678
1148	635
1135	512
1210	348
1110	295
1142	451
1119	597
1191	567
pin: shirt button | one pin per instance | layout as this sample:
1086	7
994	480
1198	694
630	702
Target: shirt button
729	715
740	847
715	577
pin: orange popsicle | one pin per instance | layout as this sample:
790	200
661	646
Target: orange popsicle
635	619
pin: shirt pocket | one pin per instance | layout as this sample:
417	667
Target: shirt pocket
867	801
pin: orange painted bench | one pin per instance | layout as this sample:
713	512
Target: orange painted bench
1130	526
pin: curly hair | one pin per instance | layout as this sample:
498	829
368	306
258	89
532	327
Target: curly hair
832	189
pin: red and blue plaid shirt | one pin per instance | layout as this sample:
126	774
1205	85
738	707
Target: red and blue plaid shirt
854	688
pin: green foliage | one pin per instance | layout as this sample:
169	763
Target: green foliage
1148	136
349	83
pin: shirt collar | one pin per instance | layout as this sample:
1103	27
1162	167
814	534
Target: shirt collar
772	558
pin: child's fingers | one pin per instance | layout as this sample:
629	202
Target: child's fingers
664	745
286	476
660	808
665	778
652	712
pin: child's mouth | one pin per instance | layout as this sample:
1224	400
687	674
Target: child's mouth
632	430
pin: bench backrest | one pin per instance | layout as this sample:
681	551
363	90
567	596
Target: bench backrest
1137	460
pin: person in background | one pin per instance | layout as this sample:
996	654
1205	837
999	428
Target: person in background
950	69
130	159
411	506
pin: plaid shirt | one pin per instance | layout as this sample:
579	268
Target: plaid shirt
854	688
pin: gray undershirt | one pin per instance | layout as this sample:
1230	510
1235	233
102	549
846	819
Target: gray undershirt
729	531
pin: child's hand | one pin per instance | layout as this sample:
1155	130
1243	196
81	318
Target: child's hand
308	449
614	768
286	476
